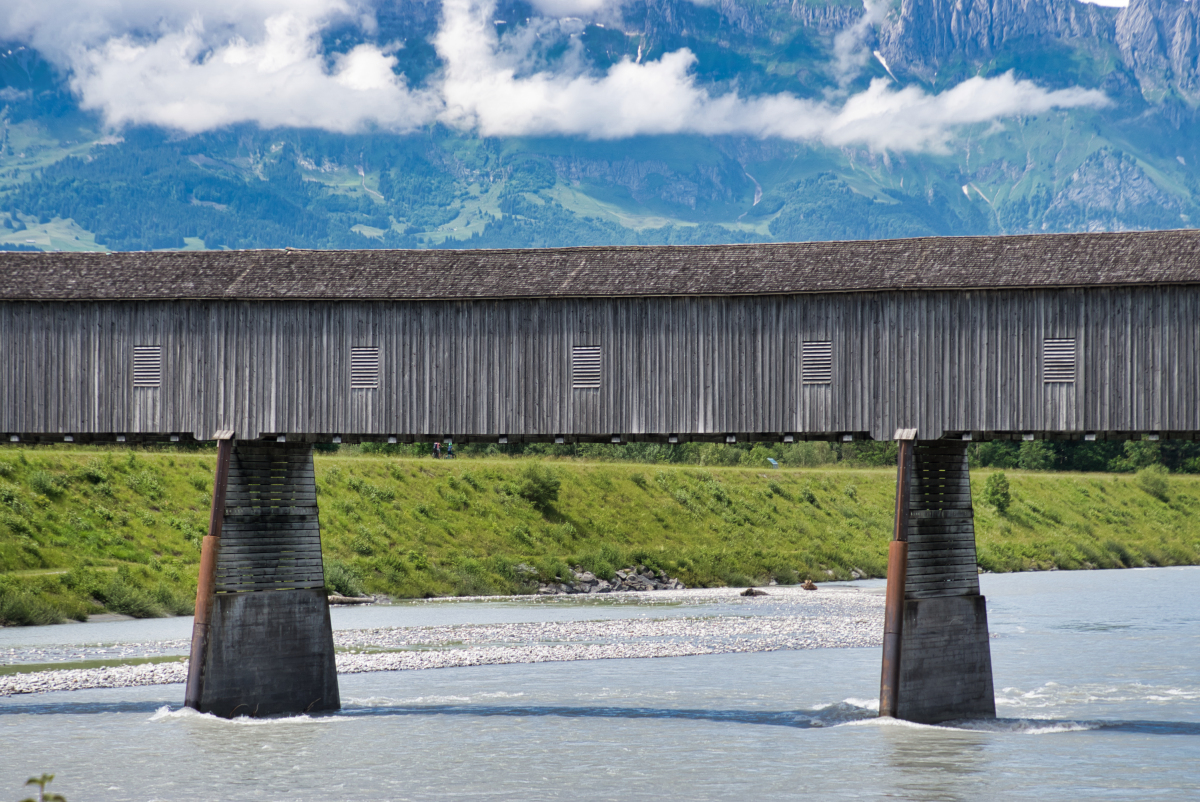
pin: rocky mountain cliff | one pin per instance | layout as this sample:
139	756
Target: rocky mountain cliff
921	37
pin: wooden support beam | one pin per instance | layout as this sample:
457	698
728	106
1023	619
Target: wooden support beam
206	583
893	621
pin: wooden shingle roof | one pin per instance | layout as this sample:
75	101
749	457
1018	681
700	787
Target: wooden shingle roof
931	263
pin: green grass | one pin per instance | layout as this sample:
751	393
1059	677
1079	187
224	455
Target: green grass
34	668
84	531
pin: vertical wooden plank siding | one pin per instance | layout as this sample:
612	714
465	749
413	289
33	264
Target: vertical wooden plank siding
702	366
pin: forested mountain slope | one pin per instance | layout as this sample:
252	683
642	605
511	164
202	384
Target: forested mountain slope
78	170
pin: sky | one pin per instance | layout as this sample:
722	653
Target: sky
198	65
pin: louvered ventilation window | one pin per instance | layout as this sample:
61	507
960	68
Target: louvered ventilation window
816	362
585	366
1058	361
364	368
147	365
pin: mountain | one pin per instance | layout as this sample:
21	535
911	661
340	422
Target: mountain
72	179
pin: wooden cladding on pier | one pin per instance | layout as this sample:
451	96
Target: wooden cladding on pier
940	361
271	537
941	523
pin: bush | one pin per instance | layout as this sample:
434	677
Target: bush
539	485
42	482
340	580
1153	479
94	472
21	608
120	595
995	492
176	601
787	576
145	483
522	535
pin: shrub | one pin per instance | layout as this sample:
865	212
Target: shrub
370	491
21	608
522	535
1123	554
7	469
42	482
16	524
638	479
563	533
340	580
121	595
94	472
996	493
786	576
539	485
145	483
175	601
1153	479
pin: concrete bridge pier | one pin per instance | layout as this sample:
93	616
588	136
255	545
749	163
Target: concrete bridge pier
262	643
937	661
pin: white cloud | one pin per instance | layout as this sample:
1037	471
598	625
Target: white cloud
61	28
482	90
280	80
196	65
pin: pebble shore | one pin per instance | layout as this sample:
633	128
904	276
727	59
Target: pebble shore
788	618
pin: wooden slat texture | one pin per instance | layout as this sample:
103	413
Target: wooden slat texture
941	528
262	547
941	362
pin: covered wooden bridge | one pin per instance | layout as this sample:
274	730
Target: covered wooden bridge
934	342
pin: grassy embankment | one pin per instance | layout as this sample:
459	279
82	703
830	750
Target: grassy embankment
83	531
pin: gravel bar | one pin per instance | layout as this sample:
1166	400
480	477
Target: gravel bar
786	619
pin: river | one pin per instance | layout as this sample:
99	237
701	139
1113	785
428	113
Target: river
1098	692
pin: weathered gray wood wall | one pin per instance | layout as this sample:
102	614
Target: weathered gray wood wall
702	366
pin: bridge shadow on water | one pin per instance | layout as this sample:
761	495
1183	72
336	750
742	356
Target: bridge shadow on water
831	716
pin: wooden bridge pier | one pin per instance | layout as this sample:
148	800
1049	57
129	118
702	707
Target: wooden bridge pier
937	661
262	642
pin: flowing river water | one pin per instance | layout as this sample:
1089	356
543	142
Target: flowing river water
1097	687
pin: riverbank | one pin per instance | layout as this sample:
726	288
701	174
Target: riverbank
86	531
721	622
